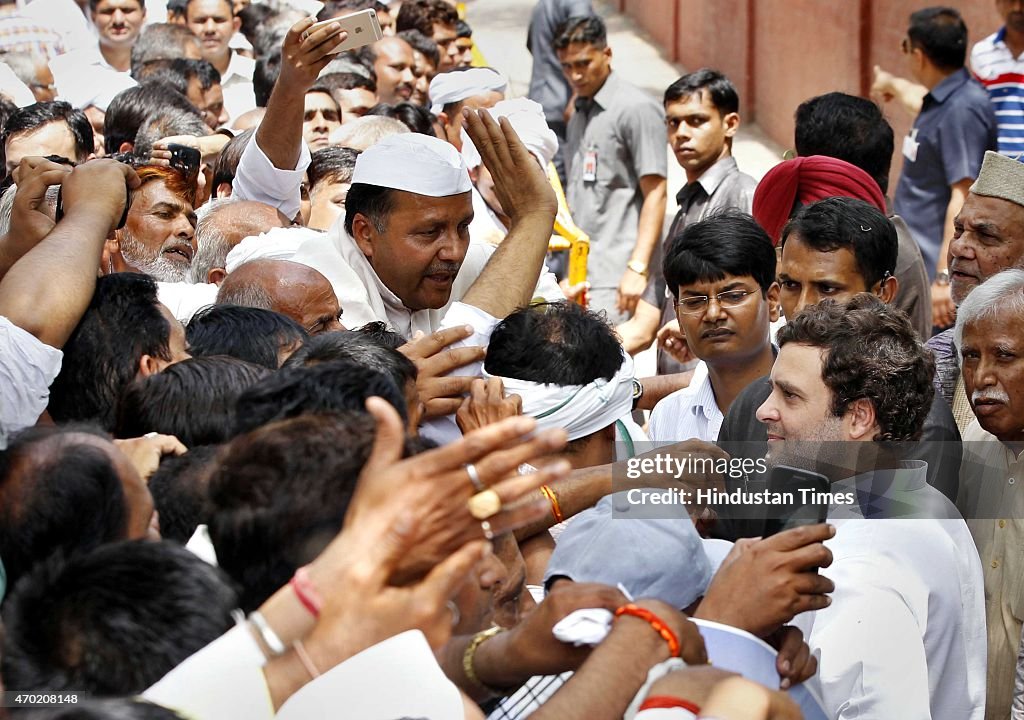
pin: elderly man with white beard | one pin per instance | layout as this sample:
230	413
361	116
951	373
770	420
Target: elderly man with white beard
158	237
989	335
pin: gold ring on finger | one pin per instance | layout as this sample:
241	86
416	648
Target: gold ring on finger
484	505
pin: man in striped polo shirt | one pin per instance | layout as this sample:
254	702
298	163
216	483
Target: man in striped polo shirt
998	63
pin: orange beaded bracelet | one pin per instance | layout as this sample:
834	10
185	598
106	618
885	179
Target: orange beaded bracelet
655	622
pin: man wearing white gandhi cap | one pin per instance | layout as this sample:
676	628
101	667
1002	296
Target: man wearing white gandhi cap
402	254
475	88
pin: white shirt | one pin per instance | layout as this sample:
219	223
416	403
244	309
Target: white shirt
905	634
27	369
257	179
398	677
691	412
84	74
186	299
236	82
365	298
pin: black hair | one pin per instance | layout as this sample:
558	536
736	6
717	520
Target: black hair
35	116
849	128
724	243
109	709
559	343
337	8
463	29
331	164
328	387
251	334
720	89
194	400
160	41
254	17
873	353
841	222
278	495
231	6
112	621
382	334
226	165
352	346
93	4
58	493
415	117
372	201
941	34
179	71
122	323
347	81
422	44
582	29
423	14
130	108
179	492
265	75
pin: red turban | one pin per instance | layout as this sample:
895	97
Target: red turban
807	180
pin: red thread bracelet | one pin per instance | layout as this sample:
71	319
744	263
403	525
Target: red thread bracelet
655	622
659	702
306	592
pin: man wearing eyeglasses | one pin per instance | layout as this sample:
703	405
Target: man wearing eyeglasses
721	273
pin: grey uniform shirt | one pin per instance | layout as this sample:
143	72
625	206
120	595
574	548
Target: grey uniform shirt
620	135
722	186
548	85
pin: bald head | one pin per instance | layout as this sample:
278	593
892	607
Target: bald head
223	227
289	288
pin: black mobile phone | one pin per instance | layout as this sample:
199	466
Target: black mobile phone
803	496
185	159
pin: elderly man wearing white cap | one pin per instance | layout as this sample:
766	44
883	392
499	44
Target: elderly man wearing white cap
988	238
403	254
475	88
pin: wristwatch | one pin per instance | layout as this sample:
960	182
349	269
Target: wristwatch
638	392
942	277
638	267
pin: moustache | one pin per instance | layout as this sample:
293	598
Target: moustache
990	395
446	268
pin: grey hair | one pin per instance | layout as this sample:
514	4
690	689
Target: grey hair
7	205
165	123
365	132
1002	292
246	295
24	65
212	245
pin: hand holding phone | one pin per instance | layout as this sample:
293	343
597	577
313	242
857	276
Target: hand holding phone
362	27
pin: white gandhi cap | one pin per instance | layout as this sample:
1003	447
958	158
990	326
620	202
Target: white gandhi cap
458	85
414	163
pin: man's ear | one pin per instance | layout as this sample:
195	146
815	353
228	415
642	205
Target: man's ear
607	52
861	421
126	147
215	276
236	24
443	118
888	289
731	121
363	234
149	365
223	190
774	306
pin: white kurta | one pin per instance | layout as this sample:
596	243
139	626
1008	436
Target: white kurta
365	298
905	634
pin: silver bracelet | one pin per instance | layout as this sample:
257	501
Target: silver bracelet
270	638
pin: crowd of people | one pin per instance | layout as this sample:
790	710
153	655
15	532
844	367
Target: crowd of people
305	413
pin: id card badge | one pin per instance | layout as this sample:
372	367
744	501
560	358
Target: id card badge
590	166
910	145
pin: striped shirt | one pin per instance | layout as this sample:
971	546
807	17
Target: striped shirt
1002	74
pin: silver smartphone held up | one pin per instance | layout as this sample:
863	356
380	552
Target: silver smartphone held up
362	28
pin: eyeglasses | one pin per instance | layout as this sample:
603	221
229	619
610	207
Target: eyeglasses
698	304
